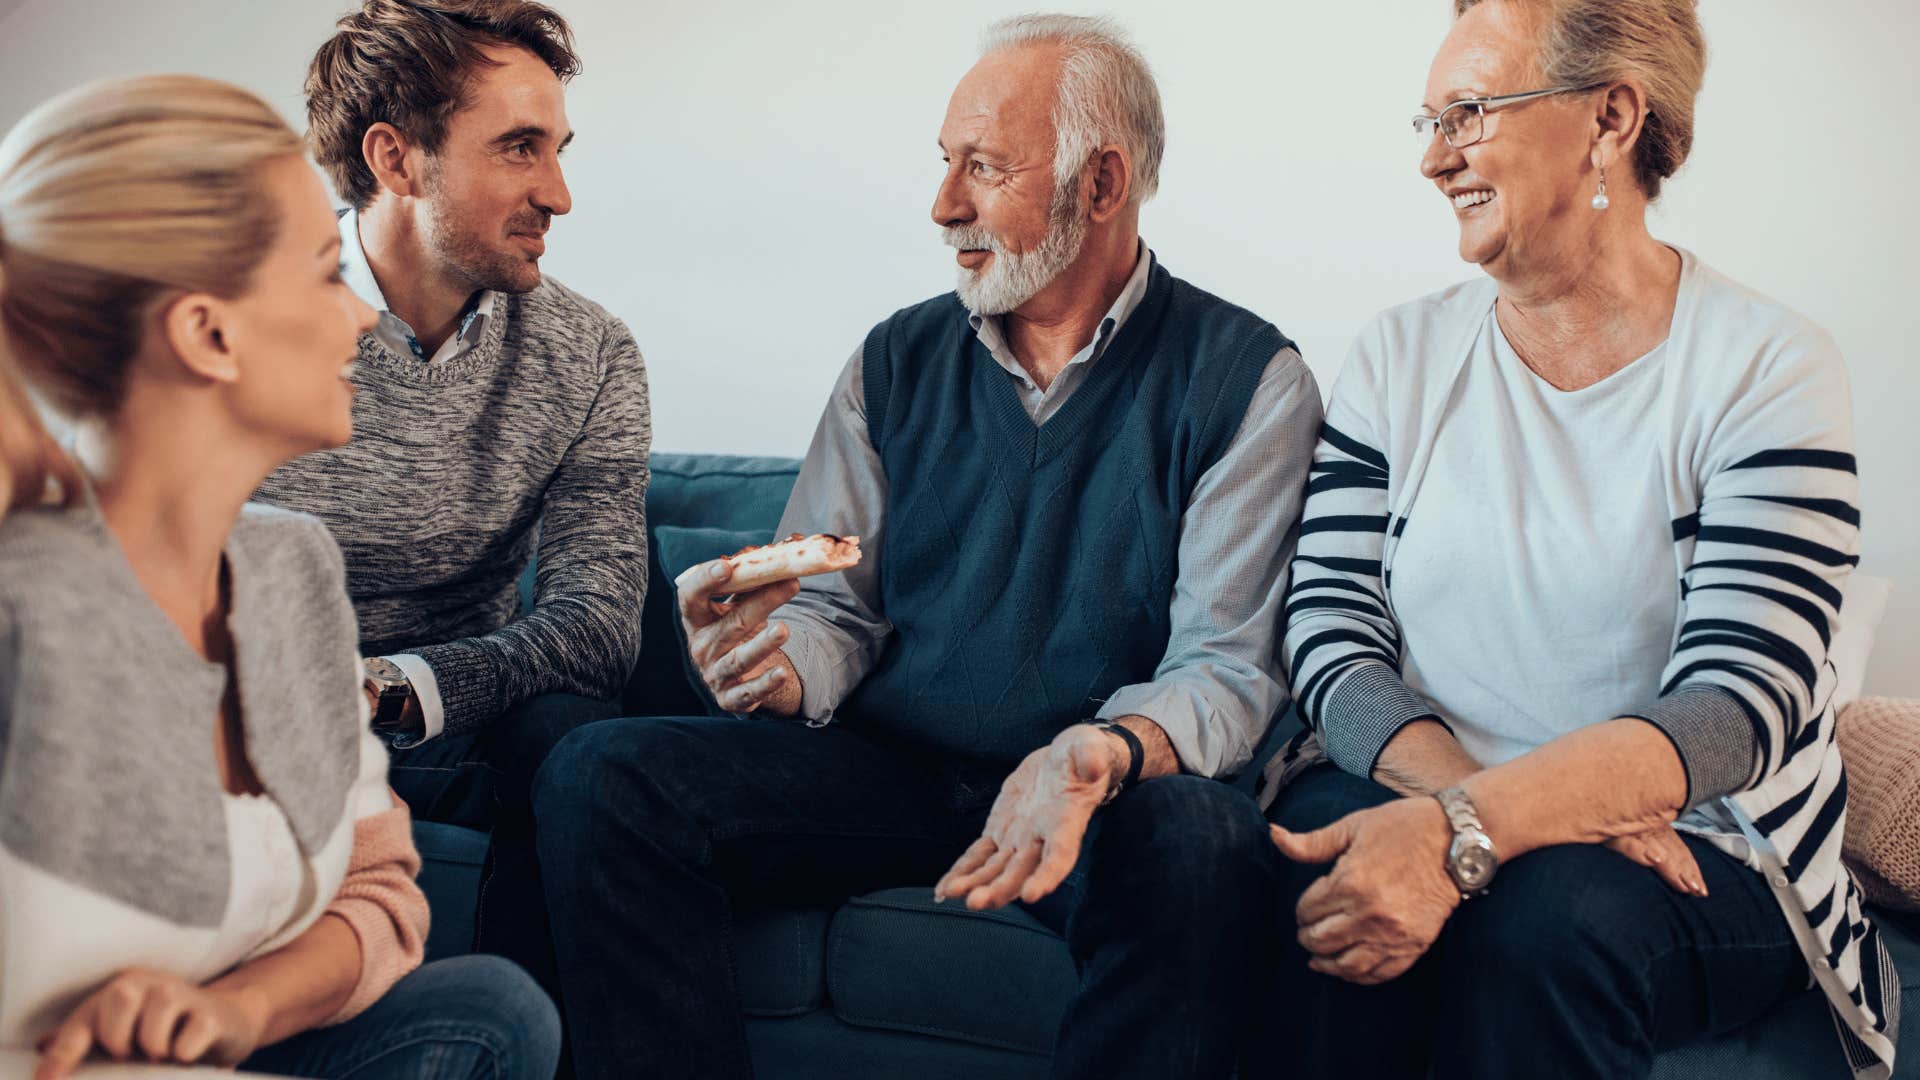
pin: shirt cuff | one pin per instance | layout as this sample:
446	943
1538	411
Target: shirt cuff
1713	735
426	689
819	691
1204	744
1362	714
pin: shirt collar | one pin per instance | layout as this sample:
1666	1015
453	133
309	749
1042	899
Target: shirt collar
991	332
392	330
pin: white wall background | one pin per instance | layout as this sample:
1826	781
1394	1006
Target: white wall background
752	181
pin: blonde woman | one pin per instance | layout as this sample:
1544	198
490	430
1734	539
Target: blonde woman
200	860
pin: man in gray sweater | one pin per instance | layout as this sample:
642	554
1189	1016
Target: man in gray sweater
497	413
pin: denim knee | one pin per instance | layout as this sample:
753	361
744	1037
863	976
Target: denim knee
1171	833
1554	918
510	1014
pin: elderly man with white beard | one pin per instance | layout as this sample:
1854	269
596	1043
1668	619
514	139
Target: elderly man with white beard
1076	481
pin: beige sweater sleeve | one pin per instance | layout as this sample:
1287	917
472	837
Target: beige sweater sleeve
379	899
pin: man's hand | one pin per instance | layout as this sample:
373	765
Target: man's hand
733	646
1033	834
1388	896
1661	850
156	1017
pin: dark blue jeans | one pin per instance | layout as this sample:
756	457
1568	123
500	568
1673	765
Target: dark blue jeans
468	1018
656	833
471	778
1578	964
483	780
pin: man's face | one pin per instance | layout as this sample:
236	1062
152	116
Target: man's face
495	183
1014	227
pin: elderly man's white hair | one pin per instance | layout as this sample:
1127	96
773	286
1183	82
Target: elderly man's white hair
1106	93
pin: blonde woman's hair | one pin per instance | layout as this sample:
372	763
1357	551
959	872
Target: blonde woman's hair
113	197
1657	43
29	460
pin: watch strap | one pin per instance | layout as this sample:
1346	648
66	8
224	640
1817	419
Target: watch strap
390	704
1136	754
1461	814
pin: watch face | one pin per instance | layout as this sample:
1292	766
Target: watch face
384	672
1472	862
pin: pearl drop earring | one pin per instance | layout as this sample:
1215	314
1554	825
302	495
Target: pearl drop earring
1600	201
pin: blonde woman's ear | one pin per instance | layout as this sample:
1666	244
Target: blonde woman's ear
196	333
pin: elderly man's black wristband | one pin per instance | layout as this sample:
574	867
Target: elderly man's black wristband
1136	753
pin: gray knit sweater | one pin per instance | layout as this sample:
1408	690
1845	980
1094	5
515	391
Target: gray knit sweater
537	434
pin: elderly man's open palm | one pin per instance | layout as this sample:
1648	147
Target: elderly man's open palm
1033	834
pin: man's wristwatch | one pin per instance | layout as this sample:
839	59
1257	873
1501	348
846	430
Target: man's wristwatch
1471	860
1136	757
391	689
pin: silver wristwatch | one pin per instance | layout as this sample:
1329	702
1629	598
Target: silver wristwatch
1471	860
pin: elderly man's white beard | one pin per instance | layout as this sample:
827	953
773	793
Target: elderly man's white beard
1013	279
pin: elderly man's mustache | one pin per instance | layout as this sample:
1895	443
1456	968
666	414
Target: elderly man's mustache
971	238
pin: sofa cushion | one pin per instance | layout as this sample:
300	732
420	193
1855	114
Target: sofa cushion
820	1046
781	959
719	491
898	961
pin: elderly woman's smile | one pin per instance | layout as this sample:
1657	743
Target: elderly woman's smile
1465	199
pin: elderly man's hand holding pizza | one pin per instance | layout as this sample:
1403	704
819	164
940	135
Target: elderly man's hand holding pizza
726	606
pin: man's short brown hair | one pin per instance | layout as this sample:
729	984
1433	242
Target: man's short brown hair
407	63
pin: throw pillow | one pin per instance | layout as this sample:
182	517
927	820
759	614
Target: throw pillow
678	548
1880	743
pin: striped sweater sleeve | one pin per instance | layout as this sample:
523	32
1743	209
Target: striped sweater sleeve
1342	646
1776	533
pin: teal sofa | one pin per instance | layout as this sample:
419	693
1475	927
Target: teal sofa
887	985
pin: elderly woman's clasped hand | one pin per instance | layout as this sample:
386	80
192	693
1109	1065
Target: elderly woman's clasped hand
1388	895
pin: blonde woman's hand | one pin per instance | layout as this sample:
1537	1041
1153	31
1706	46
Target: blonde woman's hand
153	1016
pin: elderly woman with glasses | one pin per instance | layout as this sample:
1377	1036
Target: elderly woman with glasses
1571	559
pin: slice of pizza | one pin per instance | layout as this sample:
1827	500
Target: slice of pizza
795	557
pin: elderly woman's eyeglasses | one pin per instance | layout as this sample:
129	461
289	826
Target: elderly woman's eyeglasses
1463	122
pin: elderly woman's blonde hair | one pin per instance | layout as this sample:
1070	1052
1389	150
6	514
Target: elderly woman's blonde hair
1656	43
113	198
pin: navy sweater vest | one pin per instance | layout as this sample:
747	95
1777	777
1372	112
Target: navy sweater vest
1028	570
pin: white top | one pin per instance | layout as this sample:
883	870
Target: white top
270	881
1580	601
